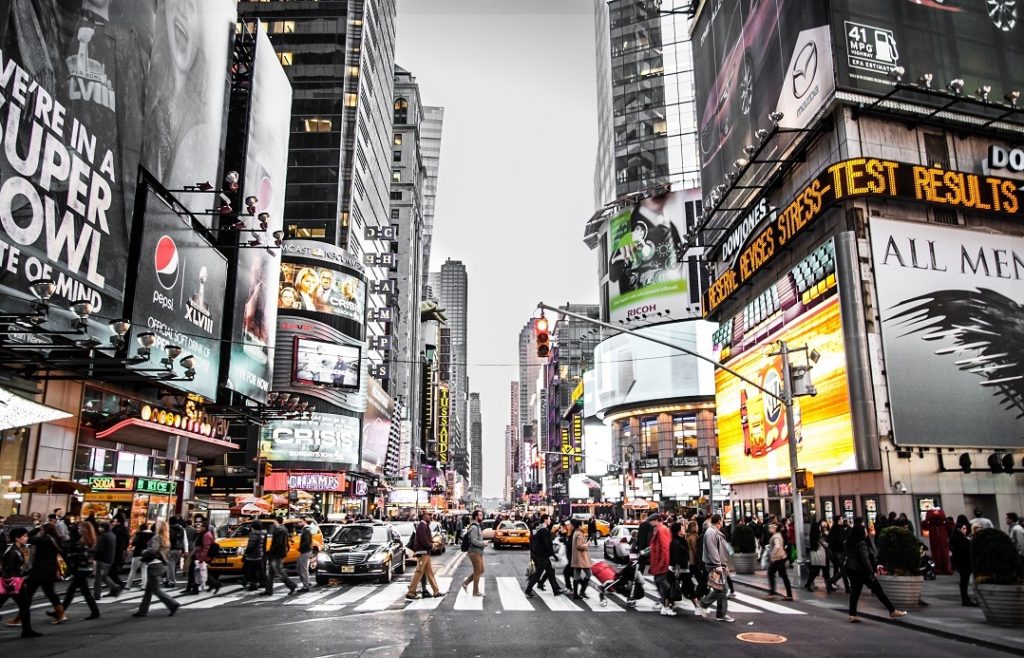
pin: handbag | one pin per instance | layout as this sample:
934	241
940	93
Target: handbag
62	565
531	569
716	580
11	586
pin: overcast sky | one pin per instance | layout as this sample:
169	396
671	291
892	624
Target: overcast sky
517	81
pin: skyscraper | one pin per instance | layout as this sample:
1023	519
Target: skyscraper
452	294
513	445
530	365
430	147
476	449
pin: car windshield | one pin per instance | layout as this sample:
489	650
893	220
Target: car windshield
360	534
506	525
404	529
521	526
244	529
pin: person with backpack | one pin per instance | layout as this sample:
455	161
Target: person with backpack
179	545
421	541
155	558
206	548
473	544
79	552
275	560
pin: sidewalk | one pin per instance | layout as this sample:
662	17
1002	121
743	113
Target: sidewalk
944	615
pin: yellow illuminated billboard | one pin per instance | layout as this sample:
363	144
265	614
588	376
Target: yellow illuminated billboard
801	309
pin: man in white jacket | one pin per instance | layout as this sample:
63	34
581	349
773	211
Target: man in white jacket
716	558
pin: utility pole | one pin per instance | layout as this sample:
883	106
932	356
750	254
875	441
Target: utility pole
798	512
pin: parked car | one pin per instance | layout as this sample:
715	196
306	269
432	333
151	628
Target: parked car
405	530
440	538
328	530
511	533
619	544
487	528
362	549
232	547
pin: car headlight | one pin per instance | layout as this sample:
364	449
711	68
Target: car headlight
240	551
379	557
323	557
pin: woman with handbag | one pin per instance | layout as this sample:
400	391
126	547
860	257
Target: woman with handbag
155	557
779	557
12	582
80	557
47	568
581	563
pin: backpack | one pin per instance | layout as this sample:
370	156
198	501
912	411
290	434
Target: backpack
465	540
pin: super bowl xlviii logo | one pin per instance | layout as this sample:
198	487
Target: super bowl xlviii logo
197	309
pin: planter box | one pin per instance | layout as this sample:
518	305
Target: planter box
1003	605
743	562
903	591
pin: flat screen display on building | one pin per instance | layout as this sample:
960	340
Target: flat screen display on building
321	289
803	308
950	303
326	364
323	439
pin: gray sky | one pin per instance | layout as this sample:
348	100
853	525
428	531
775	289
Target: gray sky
517	81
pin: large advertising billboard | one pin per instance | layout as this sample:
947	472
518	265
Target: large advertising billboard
322	290
316	360
751	58
179	293
266	169
950	303
803	308
376	427
629	370
646	269
323	440
979	42
322	363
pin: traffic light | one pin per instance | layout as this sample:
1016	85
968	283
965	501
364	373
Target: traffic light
804	480
543	339
268	470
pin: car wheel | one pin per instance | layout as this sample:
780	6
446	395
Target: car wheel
385	578
746	84
401	568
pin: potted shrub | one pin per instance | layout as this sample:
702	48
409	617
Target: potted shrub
998	577
899	552
744	548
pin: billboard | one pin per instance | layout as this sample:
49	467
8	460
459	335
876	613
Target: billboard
324	439
950	301
187	93
751	58
178	293
376	427
443	422
266	168
326	364
631	370
802	308
322	290
980	42
646	269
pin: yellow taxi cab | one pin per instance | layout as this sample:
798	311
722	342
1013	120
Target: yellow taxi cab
603	527
511	533
232	547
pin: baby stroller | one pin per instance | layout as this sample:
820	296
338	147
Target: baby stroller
627	582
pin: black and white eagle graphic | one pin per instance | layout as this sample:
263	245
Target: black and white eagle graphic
982	325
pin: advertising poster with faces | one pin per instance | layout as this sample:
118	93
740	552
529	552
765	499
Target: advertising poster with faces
322	290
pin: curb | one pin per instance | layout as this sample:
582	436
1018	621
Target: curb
910	625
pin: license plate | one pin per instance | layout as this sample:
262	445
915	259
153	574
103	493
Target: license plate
348	570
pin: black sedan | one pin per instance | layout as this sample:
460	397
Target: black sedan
359	550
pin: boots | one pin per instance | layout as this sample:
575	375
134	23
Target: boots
58	615
14	621
575	590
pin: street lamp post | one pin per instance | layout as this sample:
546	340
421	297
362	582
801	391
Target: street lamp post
798	512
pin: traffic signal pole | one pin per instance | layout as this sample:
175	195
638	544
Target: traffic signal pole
785	398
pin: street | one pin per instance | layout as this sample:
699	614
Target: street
370	619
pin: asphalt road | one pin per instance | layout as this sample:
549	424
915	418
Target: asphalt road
372	620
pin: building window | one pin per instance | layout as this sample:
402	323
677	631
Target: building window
401	111
684	435
351	100
649	437
396	195
396	156
285	58
315	125
395	213
282	27
297	231
352	71
398	139
396	175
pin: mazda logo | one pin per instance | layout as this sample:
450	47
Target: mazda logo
805	66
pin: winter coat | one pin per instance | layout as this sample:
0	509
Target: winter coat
819	554
202	547
278	543
660	540
106	547
580	551
541	545
44	560
961	547
679	554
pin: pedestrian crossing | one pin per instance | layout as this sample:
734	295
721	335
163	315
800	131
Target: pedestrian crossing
500	594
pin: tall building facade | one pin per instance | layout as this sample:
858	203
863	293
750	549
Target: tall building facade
430	146
513	443
476	464
452	293
530	367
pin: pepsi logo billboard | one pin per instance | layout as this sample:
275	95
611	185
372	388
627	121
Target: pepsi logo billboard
178	293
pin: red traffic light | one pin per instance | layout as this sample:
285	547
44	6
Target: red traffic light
541	325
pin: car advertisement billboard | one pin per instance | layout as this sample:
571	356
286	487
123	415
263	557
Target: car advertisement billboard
376	427
178	293
979	42
950	302
647	272
803	308
324	440
752	58
266	169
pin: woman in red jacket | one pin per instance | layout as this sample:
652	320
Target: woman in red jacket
661	539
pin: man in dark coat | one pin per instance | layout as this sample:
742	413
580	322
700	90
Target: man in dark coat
542	552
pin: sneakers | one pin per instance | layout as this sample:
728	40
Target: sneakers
294	591
699	611
529	594
854	620
727	619
668	612
898	613
655	606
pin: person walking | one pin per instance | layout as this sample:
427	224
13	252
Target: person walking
80	552
542	552
1016	532
779	558
275	560
660	558
121	541
592	530
819	557
201	561
42	572
861	572
179	546
12	570
138	568
254	567
565	537
581	563
422	541
155	557
475	547
106	545
305	553
715	556
643	541
960	544
679	563
837	536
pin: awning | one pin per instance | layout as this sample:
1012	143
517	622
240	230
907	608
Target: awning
154	435
16	411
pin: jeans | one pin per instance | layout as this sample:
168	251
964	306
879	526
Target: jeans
965	579
543	570
664	584
477	560
156	571
720	597
275	568
857	582
138	568
424	572
80	581
303	568
172	566
779	567
839	570
103	576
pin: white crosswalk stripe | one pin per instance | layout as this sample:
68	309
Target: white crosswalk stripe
444	583
558	603
511	594
466	600
383	599
339	600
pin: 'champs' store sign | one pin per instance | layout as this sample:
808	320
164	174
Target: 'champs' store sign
443	409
